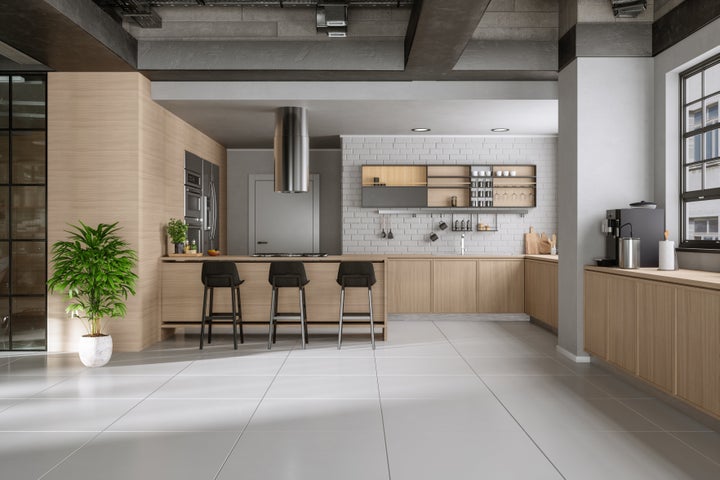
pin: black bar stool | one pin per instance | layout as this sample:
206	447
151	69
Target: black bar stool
361	275
221	274
287	275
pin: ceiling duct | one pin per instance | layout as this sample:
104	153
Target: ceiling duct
292	150
628	8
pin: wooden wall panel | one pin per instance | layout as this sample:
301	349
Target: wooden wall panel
656	333
115	155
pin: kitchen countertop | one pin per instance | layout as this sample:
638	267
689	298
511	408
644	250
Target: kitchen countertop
692	278
354	257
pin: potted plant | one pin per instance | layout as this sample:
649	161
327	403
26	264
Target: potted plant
177	231
94	267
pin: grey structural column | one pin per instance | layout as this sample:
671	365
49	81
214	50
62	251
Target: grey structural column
604	147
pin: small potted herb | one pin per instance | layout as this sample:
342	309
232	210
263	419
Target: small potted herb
177	231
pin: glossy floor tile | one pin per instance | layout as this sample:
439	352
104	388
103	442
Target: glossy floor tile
446	396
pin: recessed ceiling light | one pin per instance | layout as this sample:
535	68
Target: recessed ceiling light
500	130
420	129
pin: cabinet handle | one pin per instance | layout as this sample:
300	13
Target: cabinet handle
262	243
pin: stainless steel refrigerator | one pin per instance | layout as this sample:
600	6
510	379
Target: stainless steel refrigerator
202	205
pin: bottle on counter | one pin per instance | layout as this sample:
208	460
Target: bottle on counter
193	247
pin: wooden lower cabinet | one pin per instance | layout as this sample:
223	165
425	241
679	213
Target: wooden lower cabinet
596	313
622	323
541	291
501	286
664	333
409	286
698	347
656	333
454	286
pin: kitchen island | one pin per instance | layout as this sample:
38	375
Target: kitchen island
182	291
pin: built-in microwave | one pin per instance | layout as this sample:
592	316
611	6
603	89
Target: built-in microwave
193	179
193	203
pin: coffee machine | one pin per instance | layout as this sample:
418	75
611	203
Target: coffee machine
647	224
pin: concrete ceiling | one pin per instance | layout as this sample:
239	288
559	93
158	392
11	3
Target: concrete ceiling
242	115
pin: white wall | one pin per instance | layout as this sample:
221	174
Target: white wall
605	162
668	65
361	226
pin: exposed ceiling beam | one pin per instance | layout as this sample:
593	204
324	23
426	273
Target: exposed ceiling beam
439	31
67	35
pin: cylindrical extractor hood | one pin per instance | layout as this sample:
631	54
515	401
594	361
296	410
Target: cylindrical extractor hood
292	150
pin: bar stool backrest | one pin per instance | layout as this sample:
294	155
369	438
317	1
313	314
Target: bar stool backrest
220	274
287	274
356	274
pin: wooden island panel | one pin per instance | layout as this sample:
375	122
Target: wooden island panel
182	292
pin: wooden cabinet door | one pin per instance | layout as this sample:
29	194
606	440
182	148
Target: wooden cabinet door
622	323
454	286
501	286
541	291
409	286
656	333
698	347
596	314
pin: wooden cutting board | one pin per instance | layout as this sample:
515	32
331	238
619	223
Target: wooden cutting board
531	242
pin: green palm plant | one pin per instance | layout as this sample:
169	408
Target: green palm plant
94	267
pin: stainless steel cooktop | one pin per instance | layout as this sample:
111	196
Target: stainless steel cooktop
290	255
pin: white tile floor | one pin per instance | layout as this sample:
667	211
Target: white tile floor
442	399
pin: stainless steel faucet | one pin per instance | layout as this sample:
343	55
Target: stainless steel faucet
462	244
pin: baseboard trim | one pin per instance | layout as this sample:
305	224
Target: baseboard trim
572	356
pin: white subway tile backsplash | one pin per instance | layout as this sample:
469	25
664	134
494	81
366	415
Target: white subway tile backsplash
362	226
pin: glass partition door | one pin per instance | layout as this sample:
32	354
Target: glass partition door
23	212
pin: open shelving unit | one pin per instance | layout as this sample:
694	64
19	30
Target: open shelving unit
483	187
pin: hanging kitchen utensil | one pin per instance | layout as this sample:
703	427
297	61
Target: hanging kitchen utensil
390	235
382	226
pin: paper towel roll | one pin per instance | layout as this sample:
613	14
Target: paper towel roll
666	260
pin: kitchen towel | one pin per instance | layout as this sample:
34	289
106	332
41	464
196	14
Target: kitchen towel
667	255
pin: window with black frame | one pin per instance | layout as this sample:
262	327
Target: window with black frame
700	177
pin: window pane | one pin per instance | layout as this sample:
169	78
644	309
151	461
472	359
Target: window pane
4	213
4	157
693	149
711	110
702	220
28	272
4	323
693	178
711	145
712	174
712	80
693	87
4	102
28	212
28	323
4	268
693	117
28	101
28	157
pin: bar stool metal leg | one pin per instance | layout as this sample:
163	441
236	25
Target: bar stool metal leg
372	324
202	324
302	316
307	337
210	315
239	314
342	311
272	317
234	317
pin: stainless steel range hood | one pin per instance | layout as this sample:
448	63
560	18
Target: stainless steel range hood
292	150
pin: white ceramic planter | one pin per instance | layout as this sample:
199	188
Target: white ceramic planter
95	351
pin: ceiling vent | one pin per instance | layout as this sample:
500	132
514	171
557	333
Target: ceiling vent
292	150
332	19
628	8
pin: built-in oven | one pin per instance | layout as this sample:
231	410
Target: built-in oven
193	197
